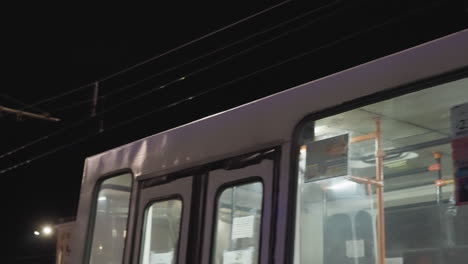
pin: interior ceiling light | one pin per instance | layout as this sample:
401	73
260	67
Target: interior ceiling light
342	185
396	163
320	129
391	161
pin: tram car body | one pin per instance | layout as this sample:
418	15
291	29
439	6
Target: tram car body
362	166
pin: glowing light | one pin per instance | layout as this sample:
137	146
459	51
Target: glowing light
395	164
47	230
399	161
102	198
36	233
318	130
303	150
342	185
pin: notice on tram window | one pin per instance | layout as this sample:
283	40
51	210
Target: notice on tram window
459	120
327	158
355	248
393	260
161	258
243	227
244	256
459	124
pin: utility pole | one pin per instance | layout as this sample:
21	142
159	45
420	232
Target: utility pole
94	107
95	99
20	113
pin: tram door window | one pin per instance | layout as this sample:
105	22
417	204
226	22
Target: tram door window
376	184
161	232
110	221
224	219
238	206
163	223
238	218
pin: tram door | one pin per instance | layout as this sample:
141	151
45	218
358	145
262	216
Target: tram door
216	217
162	236
239	206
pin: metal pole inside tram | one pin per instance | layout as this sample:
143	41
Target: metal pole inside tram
379	156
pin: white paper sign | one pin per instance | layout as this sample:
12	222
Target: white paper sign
243	227
244	256
459	118
394	261
355	248
161	258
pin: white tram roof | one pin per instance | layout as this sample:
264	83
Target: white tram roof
271	121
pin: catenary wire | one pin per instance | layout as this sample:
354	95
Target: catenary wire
125	87
23	104
45	100
82	139
157	88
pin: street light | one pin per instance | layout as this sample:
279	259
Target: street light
36	233
47	230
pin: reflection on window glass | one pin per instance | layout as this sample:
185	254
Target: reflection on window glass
238	218
376	183
110	224
161	232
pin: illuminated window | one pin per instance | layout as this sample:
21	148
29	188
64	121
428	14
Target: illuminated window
161	232
367	183
110	220
238	218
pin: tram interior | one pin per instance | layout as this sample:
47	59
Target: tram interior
337	215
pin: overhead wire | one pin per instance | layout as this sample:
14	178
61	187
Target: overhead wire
194	41
159	109
212	65
23	104
157	88
232	44
125	70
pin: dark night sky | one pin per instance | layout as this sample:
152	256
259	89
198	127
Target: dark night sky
50	52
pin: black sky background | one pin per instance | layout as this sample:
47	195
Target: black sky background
54	50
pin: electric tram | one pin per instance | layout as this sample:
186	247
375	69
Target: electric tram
368	165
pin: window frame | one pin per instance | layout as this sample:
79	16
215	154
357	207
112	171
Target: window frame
387	94
223	187
150	203
269	200
93	212
146	197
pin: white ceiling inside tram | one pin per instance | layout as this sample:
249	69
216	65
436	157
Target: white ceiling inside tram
407	122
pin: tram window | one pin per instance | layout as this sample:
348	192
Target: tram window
110	223
161	232
338	219
238	218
